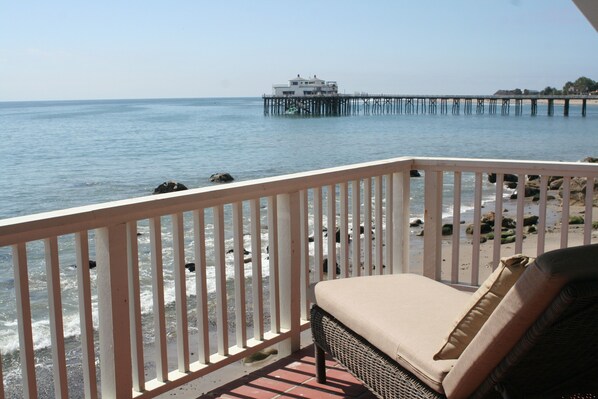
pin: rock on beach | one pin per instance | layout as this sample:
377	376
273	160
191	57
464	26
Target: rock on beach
169	187
221	178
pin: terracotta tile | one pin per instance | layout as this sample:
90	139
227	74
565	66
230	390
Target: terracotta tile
252	391
310	392
290	375
274	385
340	383
294	377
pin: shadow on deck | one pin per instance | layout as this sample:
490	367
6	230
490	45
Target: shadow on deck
293	377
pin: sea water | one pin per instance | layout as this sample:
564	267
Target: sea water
56	155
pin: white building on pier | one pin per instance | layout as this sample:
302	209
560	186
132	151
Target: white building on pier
299	87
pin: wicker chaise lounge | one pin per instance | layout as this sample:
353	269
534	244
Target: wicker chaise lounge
541	340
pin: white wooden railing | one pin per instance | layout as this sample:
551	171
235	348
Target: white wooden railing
266	301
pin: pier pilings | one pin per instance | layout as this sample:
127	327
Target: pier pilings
342	105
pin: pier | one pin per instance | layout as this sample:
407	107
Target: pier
343	104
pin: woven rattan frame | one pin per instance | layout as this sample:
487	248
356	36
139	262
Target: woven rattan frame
556	358
383	376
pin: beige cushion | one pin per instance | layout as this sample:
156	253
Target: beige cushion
405	316
522	305
529	297
481	305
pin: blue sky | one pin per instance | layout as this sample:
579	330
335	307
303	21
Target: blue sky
72	49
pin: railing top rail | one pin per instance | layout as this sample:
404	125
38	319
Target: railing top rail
507	166
67	221
43	225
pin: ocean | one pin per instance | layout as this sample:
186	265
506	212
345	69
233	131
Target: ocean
61	154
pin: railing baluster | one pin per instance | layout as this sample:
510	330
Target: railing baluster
565	211
520	214
356	227
90	385
56	325
477	216
135	308
161	356
344	229
180	292
367	222
238	251
331	228
274	266
256	270
379	230
497	220
304	249
542	214
19	259
456	242
220	274
587	229
201	289
389	224
318	241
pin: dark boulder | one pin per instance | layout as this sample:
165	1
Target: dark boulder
590	160
577	192
529	191
447	229
530	220
337	235
415	223
169	187
325	266
506	178
489	218
232	250
92	264
221	178
485	228
556	184
190	267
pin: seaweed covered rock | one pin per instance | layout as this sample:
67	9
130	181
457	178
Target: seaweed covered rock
221	178
169	187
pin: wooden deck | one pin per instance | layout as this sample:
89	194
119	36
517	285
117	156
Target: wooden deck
293	377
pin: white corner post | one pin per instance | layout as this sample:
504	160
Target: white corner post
400	222
432	224
289	212
113	301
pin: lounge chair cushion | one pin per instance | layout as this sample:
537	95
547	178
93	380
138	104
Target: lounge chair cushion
530	296
404	316
481	305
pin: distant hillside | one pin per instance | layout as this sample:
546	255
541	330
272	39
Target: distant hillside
582	85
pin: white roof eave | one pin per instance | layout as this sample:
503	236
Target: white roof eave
589	8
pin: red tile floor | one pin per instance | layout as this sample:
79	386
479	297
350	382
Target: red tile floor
293	377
